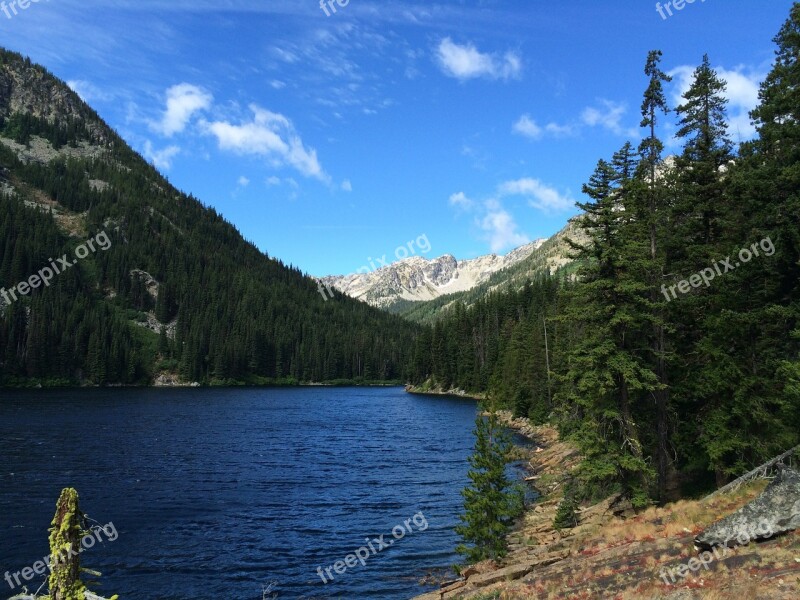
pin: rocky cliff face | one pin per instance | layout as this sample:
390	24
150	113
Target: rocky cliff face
27	88
419	279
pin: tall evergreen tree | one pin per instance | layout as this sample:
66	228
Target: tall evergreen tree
652	210
605	374
701	199
703	125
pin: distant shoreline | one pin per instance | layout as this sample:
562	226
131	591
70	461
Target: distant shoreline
39	384
453	392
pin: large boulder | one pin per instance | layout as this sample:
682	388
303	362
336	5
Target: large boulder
775	511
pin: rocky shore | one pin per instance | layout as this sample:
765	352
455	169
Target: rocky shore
615	553
425	390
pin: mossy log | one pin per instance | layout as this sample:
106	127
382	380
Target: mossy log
65	545
66	533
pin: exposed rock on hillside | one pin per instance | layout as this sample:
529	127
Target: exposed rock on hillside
30	89
776	511
418	279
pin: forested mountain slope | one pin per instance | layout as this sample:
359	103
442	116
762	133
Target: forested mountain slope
174	291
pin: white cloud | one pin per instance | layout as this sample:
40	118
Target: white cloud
277	84
347	186
559	130
742	94
288	182
466	62
88	91
272	136
501	229
183	102
161	159
540	196
527	127
243	181
497	224
460	200
608	116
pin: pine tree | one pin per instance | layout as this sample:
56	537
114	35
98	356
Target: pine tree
490	503
701	199
652	211
703	125
605	375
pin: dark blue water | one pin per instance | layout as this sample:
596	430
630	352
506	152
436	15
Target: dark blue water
219	493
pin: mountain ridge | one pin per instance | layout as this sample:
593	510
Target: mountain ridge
418	279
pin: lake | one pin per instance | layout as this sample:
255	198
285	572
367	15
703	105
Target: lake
217	493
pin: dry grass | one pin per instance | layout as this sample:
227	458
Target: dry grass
622	560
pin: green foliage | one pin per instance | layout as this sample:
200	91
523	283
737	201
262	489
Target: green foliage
20	127
566	514
491	503
659	391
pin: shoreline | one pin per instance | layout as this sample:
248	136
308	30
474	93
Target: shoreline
416	390
548	462
37	384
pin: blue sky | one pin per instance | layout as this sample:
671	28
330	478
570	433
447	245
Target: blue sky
329	140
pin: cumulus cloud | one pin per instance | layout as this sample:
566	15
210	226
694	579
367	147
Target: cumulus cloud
527	127
347	186
559	130
608	116
540	196
466	62
161	159
460	200
269	135
243	181
288	182
742	94
183	102
501	230
88	91
497	225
